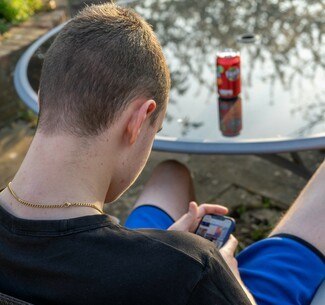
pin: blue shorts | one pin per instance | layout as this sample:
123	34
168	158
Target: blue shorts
281	269
149	216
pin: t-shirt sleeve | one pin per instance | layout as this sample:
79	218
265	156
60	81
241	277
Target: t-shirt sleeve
217	285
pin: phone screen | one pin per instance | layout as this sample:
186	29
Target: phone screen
216	228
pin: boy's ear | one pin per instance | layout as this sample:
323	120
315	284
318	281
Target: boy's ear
139	115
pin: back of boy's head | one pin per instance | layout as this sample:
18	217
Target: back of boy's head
102	59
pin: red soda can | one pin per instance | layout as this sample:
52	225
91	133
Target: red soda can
230	116
228	73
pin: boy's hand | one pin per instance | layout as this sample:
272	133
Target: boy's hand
228	251
190	221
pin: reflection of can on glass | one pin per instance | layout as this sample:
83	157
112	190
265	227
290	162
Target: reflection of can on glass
230	116
228	73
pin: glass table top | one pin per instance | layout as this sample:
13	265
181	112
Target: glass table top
282	102
282	67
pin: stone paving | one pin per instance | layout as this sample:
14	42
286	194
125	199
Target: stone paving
256	191
12	45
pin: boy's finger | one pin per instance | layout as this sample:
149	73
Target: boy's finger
187	220
211	209
231	244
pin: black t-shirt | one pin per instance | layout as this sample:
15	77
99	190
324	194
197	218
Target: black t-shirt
91	260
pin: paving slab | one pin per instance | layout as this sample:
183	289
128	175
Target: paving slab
234	180
256	191
236	197
14	143
254	175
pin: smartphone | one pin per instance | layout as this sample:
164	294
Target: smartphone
216	228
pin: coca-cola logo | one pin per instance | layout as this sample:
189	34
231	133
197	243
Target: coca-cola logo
233	73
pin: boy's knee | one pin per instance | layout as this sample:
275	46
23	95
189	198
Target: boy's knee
174	167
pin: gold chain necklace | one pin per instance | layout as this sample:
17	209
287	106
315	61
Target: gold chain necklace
52	206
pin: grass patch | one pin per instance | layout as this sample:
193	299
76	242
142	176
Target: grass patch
16	11
28	116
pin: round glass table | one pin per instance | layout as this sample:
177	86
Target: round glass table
282	105
282	102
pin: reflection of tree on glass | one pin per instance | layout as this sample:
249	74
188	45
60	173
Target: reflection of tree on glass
290	46
288	29
281	73
187	125
314	114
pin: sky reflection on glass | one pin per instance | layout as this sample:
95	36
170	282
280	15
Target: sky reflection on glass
283	94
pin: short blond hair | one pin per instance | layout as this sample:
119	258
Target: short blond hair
101	60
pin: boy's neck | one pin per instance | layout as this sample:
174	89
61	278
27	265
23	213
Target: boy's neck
58	169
